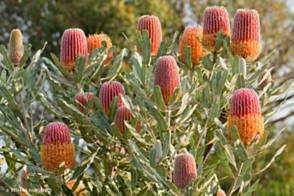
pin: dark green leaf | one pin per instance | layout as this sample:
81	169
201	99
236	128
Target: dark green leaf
6	60
25	56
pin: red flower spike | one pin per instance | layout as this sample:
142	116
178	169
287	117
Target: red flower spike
123	114
95	41
73	42
15	52
184	170
167	76
245	114
215	19
188	39
245	40
220	193
153	26
57	147
82	101
108	91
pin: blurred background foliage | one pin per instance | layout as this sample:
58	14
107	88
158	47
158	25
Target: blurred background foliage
45	20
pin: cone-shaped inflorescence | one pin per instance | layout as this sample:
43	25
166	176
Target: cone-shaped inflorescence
220	193
215	19
57	147
15	47
95	41
124	114
73	42
189	39
245	114
264	79
167	77
80	187
153	26
82	101
245	34
108	91
157	146
184	170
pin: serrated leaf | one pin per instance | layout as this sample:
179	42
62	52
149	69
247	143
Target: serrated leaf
158	97
223	157
35	153
218	41
166	145
79	68
58	64
113	108
152	157
222	82
161	123
241	151
188	60
175	95
133	178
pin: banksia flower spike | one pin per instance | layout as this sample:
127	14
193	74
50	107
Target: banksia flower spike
184	170
264	79
153	26
82	101
122	114
215	19
108	91
245	34
57	147
15	52
220	193
167	76
157	146
73	42
245	114
95	41
189	39
80	187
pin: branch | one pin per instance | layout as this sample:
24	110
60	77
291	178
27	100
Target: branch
6	186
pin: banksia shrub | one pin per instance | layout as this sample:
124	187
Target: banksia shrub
215	19
188	39
167	76
157	146
245	34
264	79
153	26
184	170
80	187
15	52
220	193
95	41
82	101
245	114
124	114
73	42
57	147
108	91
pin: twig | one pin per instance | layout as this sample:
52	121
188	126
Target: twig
6	186
237	175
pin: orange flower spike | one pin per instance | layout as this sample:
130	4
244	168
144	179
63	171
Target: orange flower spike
215	19
73	42
245	114
167	76
184	170
95	41
57	147
153	26
245	40
123	114
81	186
188	39
82	101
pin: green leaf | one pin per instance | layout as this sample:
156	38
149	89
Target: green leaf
241	151
35	153
252	189
146	48
221	151
79	68
166	145
235	65
241	81
152	157
133	178
207	63
66	190
135	133
116	66
158	97
21	157
58	64
116	132
214	111
222	82
6	95
162	50
175	95
188	60
226	46
219	39
6	60
25	56
161	123
53	184
113	108
173	40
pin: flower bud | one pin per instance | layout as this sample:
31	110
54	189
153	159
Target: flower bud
15	52
123	114
167	76
264	79
57	147
189	39
245	35
81	186
157	146
220	193
95	41
82	101
73	42
153	26
242	67
184	170
215	19
108	91
245	114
